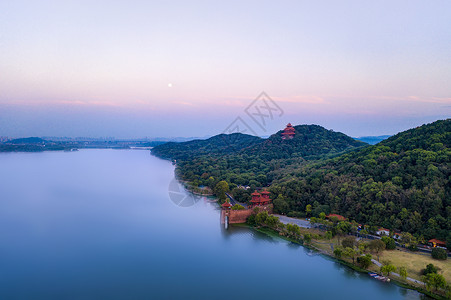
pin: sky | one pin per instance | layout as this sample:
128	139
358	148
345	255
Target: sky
130	69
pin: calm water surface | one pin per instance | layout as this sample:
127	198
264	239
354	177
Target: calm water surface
99	224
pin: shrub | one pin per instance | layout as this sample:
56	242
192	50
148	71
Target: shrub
296	214
430	268
237	207
348	242
338	252
251	220
439	253
413	248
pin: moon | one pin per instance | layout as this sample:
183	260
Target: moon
169	85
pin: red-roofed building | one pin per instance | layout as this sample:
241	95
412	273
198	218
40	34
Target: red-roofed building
383	231
339	217
288	132
435	243
260	199
226	205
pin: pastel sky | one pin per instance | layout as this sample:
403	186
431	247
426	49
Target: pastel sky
189	68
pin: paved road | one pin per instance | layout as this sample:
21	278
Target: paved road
233	201
299	222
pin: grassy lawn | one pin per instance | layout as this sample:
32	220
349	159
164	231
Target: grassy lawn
322	246
416	262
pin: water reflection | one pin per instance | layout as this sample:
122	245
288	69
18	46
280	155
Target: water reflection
99	224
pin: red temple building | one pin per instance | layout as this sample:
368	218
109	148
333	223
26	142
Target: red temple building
226	205
288	132
260	202
260	199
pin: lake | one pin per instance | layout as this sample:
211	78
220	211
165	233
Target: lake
111	224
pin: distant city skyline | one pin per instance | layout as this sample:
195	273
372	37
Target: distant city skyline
179	69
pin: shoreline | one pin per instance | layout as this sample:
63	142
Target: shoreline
272	233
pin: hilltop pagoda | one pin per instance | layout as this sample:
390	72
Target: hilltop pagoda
288	132
260	199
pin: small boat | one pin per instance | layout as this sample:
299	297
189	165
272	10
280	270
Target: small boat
379	277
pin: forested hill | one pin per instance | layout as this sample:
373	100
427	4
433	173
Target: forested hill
402	183
218	145
309	141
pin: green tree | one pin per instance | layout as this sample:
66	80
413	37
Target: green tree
261	217
251	220
363	246
211	182
434	280
387	269
377	246
338	252
272	221
402	272
340	229
280	205
350	252
313	220
364	261
293	230
390	243
308	210
220	189
307	238
329	235
408	239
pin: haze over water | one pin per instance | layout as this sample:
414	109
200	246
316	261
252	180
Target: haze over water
99	224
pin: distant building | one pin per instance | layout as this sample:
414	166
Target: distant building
288	132
397	235
383	231
437	243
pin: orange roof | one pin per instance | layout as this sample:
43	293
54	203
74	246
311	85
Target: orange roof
255	193
339	217
289	129
226	204
438	242
265	192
